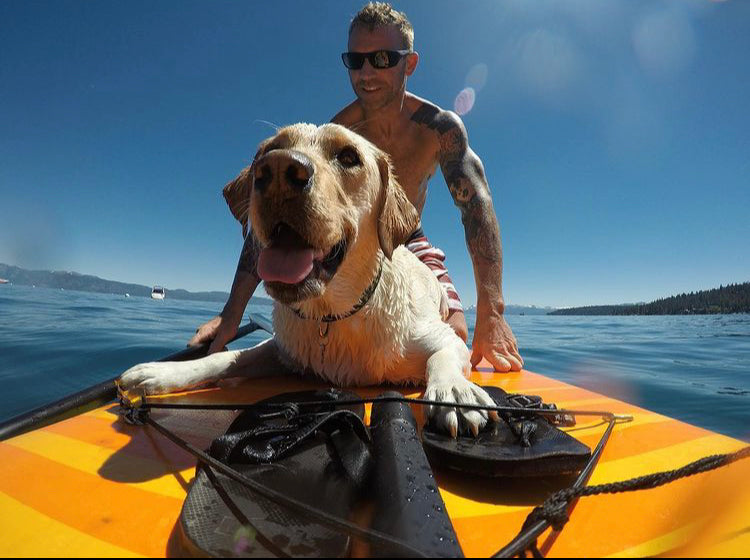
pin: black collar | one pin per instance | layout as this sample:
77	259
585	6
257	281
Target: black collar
366	295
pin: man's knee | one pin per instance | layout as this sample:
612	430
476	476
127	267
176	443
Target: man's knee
457	320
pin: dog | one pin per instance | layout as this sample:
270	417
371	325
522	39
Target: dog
351	303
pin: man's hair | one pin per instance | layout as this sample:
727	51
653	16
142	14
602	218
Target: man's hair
382	14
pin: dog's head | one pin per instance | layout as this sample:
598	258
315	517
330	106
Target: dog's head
315	197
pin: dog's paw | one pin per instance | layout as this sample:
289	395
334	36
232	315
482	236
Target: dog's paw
457	420
156	378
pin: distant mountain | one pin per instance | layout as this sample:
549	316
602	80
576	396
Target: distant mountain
520	310
734	298
87	283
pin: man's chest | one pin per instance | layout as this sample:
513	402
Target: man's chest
414	157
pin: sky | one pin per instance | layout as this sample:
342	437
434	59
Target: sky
615	135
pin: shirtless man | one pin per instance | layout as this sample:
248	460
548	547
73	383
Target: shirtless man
418	135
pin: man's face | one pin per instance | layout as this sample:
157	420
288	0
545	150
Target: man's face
377	88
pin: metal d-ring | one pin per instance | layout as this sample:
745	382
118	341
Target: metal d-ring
323	328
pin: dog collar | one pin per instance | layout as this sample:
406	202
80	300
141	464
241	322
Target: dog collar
364	298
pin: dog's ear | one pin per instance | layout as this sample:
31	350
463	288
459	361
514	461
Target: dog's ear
397	216
237	192
237	195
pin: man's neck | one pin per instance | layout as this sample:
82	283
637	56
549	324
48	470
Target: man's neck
384	120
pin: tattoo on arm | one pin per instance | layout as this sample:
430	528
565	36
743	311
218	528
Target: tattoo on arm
482	231
249	257
453	155
467	183
464	175
453	148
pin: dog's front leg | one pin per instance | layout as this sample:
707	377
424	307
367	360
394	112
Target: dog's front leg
447	372
167	377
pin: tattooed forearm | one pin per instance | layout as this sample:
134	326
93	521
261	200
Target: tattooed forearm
249	257
485	248
482	230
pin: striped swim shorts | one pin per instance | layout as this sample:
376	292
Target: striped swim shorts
434	258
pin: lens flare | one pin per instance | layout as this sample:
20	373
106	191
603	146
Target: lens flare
464	101
664	42
477	77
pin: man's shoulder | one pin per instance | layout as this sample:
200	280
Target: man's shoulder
432	116
349	115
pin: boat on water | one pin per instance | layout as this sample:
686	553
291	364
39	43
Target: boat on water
93	484
4	281
158	292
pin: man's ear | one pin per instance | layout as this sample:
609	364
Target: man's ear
237	194
412	60
397	216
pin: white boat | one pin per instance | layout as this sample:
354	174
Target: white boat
158	293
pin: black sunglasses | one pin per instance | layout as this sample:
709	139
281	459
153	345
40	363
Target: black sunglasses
378	59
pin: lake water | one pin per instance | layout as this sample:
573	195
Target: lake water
695	368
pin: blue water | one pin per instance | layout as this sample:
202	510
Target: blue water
695	368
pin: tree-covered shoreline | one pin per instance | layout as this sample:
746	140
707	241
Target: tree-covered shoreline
734	298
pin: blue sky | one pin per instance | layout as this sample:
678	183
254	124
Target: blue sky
615	135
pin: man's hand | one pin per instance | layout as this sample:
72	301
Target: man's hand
218	330
222	328
494	340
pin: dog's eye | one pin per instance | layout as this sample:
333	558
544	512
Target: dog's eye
348	157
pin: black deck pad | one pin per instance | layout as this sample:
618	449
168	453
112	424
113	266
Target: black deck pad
498	451
324	468
406	500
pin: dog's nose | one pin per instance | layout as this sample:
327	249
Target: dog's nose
288	168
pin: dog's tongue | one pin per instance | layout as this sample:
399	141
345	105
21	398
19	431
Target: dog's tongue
287	259
289	267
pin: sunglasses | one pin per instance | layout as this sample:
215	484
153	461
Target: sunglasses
378	59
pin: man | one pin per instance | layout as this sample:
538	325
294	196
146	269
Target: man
418	136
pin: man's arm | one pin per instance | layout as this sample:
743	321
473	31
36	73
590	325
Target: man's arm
222	328
464	175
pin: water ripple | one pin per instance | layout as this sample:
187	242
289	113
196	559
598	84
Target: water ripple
695	368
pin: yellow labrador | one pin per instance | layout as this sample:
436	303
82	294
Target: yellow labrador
352	304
